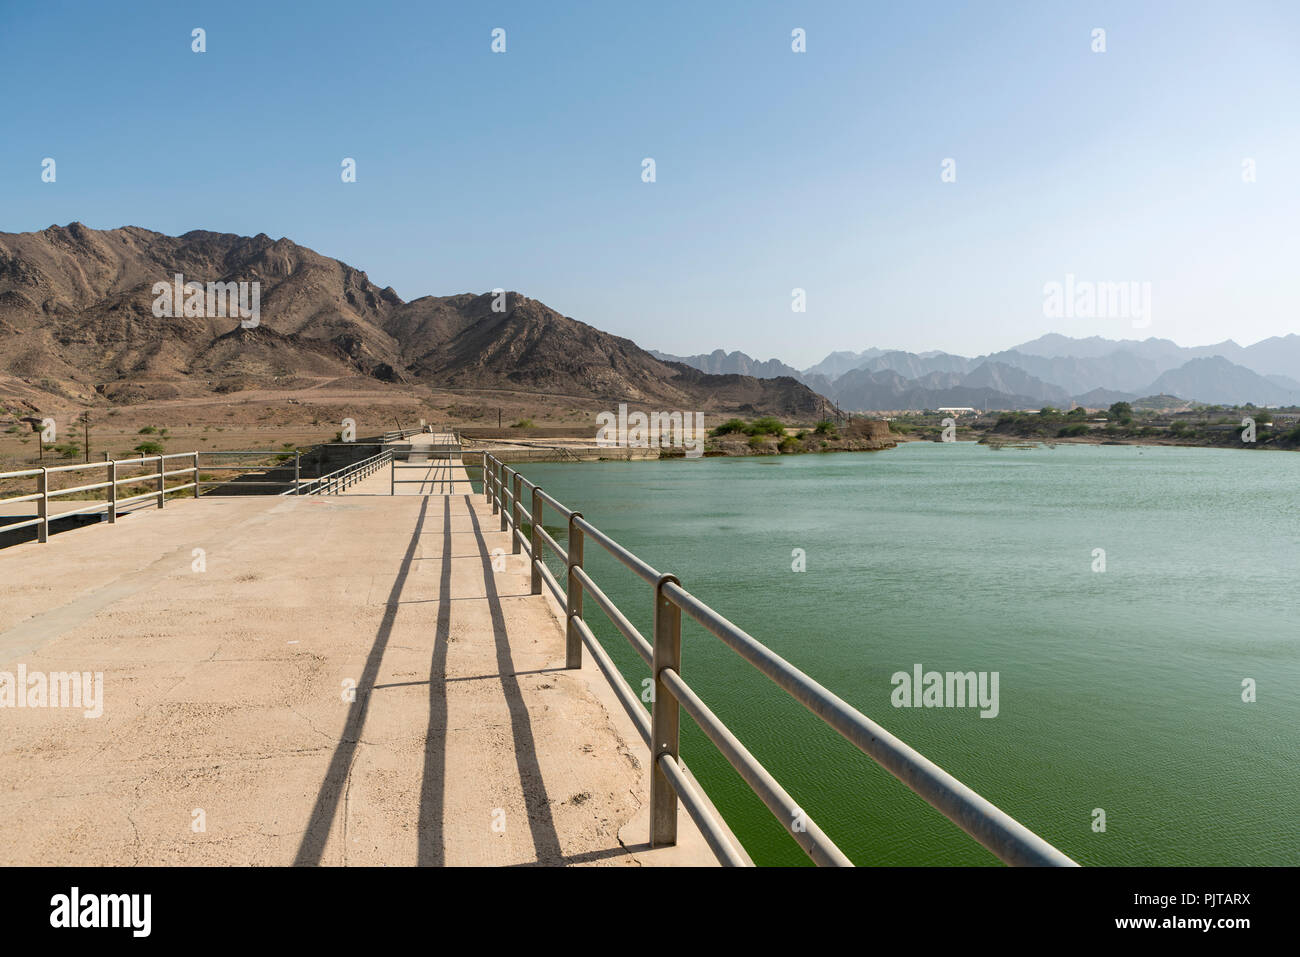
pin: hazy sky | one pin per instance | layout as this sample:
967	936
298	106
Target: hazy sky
774	169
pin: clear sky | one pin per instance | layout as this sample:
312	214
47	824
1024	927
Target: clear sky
774	169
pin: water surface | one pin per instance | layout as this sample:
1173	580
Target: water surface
1119	690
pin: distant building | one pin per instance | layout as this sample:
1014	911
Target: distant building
963	410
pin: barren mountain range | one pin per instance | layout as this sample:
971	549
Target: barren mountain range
1051	370
77	317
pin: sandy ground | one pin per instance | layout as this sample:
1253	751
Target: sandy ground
342	680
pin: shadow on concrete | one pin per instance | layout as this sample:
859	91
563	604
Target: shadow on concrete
546	842
312	848
431	851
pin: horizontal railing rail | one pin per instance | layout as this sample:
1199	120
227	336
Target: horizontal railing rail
157	475
504	489
340	480
153	471
398	434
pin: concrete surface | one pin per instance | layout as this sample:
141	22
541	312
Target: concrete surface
226	678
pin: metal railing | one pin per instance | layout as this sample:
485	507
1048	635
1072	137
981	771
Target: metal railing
503	487
437	458
340	480
281	455
157	475
399	434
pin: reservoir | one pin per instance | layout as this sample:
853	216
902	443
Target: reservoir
1120	691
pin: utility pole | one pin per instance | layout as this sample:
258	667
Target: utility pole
85	421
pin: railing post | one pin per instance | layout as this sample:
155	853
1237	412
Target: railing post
664	716
162	481
392	475
196	474
43	505
505	495
572	637
487	491
536	554
112	492
496	486
297	472
517	513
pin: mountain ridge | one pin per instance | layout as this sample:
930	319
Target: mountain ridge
77	306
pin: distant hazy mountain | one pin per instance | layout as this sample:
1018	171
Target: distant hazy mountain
1119	371
1052	368
1094	347
913	365
1103	398
1279	355
1216	380
862	390
718	362
1047	371
838	363
1009	380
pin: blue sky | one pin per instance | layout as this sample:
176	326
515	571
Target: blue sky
775	170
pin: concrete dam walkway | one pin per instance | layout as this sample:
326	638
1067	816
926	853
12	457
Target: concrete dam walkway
311	680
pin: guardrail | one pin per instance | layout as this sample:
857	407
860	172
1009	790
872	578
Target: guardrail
398	435
157	471
332	483
503	487
437	456
112	480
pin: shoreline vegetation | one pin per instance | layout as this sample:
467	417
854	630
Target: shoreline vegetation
1241	427
767	435
1244	427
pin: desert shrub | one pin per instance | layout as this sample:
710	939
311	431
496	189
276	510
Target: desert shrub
767	425
732	426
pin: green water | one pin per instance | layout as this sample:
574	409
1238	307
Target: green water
1119	690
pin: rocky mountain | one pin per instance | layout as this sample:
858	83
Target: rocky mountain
862	390
1218	381
718	362
1057	370
1279	355
838	363
77	308
914	366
